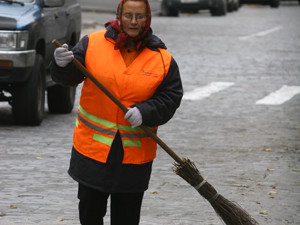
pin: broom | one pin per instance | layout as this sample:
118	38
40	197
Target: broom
230	212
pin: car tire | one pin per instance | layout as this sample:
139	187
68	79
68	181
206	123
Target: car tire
220	9
61	99
236	5
28	98
230	6
274	3
167	10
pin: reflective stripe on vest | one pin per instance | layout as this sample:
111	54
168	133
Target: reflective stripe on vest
108	141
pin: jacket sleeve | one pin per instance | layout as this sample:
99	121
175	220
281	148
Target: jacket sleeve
70	75
161	107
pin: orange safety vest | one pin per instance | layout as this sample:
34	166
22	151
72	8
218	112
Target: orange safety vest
99	118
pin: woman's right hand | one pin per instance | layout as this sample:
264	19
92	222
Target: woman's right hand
63	56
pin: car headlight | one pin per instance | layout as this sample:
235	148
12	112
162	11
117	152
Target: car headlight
13	40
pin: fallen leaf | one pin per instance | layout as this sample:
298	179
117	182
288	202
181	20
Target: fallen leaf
257	202
266	149
13	207
272	192
296	170
264	212
39	158
60	219
154	192
269	169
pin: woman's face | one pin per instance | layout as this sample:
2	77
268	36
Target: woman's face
133	17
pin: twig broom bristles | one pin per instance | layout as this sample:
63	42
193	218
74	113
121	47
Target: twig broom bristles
229	212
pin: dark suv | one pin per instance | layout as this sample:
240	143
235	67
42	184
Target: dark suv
27	28
172	7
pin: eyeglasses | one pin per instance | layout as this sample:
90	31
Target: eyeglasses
137	17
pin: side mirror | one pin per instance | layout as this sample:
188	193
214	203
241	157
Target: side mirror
53	3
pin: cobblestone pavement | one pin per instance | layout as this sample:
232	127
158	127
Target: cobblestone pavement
249	152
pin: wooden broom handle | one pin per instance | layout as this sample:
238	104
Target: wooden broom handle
124	108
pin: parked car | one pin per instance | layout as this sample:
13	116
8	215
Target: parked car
27	28
173	7
272	3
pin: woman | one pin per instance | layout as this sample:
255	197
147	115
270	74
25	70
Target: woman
111	155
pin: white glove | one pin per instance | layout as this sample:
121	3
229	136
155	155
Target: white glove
134	117
63	56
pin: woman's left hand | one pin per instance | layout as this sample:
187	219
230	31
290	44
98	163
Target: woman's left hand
134	117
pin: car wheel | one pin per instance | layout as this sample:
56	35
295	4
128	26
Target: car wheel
167	10
274	3
236	5
230	6
220	9
28	98
61	98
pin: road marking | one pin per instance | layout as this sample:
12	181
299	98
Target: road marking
260	34
280	96
205	91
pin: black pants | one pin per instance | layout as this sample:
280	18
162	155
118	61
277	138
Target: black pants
125	207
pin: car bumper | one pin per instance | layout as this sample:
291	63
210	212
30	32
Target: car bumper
16	66
15	75
17	59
